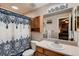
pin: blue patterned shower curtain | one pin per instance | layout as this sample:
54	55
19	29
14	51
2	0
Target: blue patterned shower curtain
14	33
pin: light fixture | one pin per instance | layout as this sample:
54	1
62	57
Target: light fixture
66	22
14	7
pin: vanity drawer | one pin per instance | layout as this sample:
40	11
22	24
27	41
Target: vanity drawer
39	49
39	54
51	53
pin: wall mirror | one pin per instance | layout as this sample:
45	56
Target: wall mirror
61	27
77	20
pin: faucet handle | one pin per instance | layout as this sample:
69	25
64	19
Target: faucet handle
56	42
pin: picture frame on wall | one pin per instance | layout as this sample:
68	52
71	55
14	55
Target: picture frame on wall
49	21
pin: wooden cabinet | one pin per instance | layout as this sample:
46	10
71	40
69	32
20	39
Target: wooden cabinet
52	53
45	52
37	24
39	49
39	54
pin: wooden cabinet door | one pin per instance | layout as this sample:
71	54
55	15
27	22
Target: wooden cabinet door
51	53
37	24
39	49
39	54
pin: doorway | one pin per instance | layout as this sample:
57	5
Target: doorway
63	27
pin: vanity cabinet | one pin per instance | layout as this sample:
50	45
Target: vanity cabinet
37	24
45	52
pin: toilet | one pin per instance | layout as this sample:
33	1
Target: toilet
30	52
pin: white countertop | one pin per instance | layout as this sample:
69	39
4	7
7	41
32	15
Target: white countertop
67	49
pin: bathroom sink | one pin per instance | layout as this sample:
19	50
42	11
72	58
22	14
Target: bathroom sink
52	45
56	46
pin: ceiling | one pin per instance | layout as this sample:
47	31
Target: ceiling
23	8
